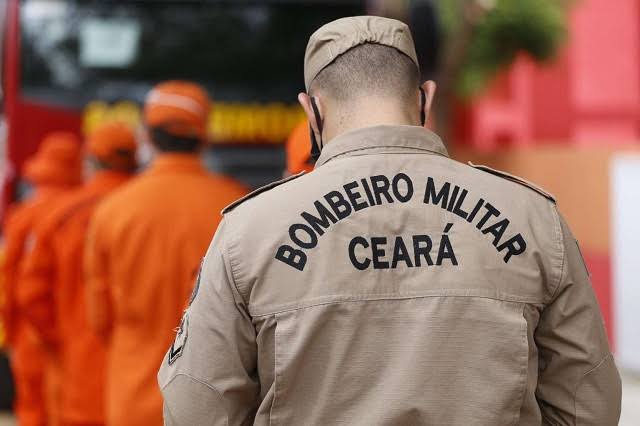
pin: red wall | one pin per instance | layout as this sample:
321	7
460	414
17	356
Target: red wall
585	101
590	93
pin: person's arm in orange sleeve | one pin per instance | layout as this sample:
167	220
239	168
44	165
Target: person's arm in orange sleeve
35	294
208	375
14	236
98	291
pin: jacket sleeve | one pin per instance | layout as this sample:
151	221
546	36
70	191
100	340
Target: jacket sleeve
578	381
209	373
98	296
35	294
14	234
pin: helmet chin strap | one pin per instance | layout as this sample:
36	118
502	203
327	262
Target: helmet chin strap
316	146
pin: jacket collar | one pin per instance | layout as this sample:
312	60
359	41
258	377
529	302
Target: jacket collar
376	139
51	190
177	162
107	178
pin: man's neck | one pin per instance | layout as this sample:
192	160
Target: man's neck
361	116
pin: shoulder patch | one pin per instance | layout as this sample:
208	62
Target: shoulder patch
259	191
177	348
514	178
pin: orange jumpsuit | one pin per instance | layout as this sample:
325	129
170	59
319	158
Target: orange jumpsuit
28	357
53	298
298	149
144	248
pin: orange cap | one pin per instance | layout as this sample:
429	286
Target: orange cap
299	149
114	145
58	161
179	107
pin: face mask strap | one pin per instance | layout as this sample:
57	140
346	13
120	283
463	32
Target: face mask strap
316	147
423	101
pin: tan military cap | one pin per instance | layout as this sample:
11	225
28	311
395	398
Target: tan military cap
337	37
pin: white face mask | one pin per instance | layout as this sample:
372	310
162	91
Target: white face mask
146	152
88	168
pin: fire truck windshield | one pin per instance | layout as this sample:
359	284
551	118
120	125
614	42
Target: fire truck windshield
73	52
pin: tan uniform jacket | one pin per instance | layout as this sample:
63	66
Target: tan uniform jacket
392	286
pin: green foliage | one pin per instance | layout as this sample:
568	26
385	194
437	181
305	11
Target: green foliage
537	27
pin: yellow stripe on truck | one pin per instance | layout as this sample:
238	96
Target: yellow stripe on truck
229	122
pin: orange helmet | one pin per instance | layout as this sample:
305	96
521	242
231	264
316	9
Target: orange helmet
299	149
114	145
181	108
58	161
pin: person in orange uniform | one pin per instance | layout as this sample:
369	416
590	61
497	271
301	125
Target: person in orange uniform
53	291
298	150
54	170
144	248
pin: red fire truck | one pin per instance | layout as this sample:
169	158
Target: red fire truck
70	64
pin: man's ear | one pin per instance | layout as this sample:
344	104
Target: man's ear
305	102
429	88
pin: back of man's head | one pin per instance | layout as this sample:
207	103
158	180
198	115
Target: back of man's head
369	71
362	71
175	114
58	161
112	146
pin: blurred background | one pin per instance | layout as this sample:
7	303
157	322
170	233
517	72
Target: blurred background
544	89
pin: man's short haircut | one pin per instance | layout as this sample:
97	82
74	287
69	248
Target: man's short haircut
366	70
124	162
166	142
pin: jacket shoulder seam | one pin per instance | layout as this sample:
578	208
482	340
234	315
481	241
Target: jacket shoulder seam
514	178
562	250
259	191
226	251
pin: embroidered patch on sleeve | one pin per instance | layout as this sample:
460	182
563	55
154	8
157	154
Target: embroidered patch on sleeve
181	339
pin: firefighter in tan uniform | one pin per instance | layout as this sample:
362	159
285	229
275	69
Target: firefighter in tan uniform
393	285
